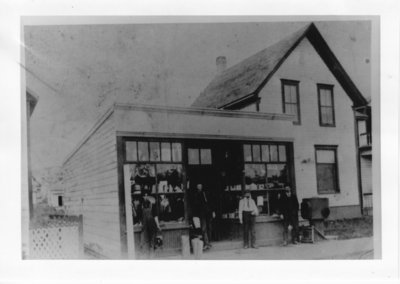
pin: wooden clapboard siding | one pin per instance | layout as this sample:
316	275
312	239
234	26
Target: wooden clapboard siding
95	226
91	186
95	187
109	248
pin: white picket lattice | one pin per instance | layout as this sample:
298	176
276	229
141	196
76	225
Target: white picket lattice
55	240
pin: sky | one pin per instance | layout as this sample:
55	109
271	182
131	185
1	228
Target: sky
78	71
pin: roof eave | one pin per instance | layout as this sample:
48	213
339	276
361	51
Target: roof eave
333	64
326	54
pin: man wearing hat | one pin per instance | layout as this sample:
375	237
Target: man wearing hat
203	210
247	213
289	207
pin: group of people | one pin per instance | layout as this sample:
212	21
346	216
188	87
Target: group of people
288	209
203	212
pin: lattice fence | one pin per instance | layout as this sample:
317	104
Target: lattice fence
57	239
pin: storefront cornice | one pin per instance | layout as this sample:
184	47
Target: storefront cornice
202	136
204	111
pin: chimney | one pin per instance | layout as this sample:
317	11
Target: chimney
221	64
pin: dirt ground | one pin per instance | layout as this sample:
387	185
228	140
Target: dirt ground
350	228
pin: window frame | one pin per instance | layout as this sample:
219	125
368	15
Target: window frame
199	150
366	133
148	141
295	83
270	192
270	161
182	162
330	88
334	149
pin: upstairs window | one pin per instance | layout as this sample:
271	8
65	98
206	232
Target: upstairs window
290	99
364	134
326	105
327	169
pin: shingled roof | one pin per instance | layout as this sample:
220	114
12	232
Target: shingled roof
244	80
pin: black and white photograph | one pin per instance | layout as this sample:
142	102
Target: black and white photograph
190	141
220	140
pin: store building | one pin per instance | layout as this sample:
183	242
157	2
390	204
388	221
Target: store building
283	116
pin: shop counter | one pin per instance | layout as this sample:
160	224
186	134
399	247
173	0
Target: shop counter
269	230
171	232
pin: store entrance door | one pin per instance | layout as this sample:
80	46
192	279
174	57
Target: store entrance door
219	165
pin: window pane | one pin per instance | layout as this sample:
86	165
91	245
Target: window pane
176	152
322	98
287	94
292	109
274	153
288	108
131	151
247	153
256	153
362	126
326	115
290	93
193	156
329	111
282	153
143	151
265	153
166	152
323	115
326	156
326	97
326	178
205	155
154	151
254	173
277	175
293	94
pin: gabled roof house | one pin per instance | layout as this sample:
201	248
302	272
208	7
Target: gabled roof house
283	116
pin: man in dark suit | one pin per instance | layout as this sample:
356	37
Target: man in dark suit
203	210
289	207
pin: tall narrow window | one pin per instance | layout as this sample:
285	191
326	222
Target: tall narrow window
290	99
326	105
327	169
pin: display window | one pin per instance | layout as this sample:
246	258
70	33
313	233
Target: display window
155	173
266	174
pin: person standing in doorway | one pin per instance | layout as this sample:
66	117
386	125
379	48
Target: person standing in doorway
202	209
150	227
289	207
247	214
